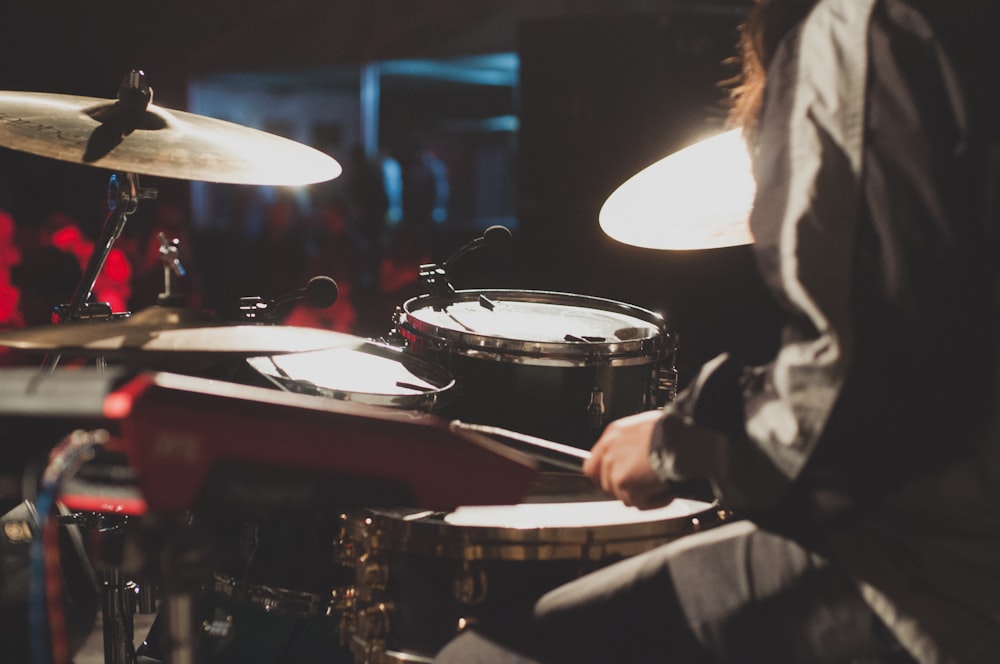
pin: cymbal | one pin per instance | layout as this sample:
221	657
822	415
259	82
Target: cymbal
158	142
697	198
172	331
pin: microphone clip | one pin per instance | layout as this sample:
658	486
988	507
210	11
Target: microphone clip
434	277
257	309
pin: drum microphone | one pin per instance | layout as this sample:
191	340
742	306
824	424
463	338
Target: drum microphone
435	277
496	239
321	292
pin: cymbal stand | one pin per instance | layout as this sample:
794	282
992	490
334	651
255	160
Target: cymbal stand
119	597
124	194
186	564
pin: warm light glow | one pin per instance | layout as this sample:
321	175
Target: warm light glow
697	198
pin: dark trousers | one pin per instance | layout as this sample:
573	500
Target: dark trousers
735	593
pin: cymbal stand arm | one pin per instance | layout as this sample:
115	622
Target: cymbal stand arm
122	201
124	195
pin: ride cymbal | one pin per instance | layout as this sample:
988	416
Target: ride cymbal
155	141
697	198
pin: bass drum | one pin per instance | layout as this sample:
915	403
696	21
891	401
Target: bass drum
370	373
553	365
421	577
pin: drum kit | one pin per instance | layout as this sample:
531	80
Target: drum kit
446	453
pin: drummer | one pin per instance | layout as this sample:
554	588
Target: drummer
865	463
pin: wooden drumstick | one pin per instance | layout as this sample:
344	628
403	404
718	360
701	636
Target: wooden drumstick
572	458
566	457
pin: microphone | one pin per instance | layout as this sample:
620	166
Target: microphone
496	239
321	292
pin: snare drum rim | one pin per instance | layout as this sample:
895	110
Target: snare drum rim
416	533
526	351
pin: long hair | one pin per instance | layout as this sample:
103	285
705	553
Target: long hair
759	36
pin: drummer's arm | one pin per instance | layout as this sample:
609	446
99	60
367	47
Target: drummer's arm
646	459
700	436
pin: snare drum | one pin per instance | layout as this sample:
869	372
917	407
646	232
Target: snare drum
422	576
371	373
553	365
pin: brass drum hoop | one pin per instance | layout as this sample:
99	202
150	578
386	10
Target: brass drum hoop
421	533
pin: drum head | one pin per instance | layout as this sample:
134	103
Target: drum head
593	514
373	374
568	519
541	324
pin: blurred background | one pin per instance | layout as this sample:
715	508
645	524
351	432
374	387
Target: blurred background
448	116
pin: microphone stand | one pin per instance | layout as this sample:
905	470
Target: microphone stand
435	277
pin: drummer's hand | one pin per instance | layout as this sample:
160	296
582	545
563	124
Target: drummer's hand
619	462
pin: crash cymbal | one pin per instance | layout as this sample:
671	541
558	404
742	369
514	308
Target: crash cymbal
697	198
155	141
174	331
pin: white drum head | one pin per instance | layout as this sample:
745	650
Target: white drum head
540	322
373	374
569	515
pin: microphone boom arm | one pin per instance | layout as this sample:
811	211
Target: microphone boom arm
435	276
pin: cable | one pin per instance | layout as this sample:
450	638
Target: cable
46	617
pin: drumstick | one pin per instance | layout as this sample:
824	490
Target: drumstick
567	457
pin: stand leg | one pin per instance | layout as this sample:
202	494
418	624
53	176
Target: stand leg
118	622
187	569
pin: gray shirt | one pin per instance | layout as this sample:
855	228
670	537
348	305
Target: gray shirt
872	432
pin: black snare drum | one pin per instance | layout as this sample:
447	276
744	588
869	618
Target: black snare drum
370	373
553	365
423	576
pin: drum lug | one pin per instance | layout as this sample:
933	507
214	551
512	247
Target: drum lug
343	602
470	585
394	337
220	627
344	545
372	573
373	629
360	549
373	622
596	409
666	385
